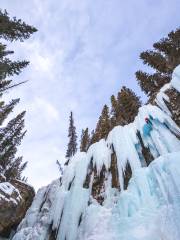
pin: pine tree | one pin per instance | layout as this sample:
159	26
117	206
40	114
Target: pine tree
124	108
170	48
14	29
10	139
8	68
72	145
85	140
151	82
155	60
6	109
114	109
163	59
104	124
93	138
11	134
128	105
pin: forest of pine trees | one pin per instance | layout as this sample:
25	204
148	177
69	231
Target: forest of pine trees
12	133
123	110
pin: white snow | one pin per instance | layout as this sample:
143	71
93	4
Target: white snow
176	78
148	210
6	193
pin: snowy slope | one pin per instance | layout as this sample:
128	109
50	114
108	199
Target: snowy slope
85	205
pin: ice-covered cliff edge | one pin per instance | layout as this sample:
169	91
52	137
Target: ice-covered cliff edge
95	200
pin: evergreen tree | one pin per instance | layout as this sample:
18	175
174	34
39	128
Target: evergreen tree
81	141
14	29
170	48
11	134
8	68
93	137
6	109
128	105
150	83
124	108
10	139
104	125
72	145
163	59
155	59
85	140
114	110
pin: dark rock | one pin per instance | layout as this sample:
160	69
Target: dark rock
114	171
2	178
174	104
145	151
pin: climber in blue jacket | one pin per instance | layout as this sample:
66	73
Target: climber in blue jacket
147	127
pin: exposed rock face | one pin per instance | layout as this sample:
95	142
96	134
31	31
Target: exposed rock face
2	178
15	198
173	104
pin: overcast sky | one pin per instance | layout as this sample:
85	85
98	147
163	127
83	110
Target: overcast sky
83	52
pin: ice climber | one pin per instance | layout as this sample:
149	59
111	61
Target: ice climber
147	127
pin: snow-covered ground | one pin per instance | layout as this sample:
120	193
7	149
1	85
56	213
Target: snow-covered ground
150	207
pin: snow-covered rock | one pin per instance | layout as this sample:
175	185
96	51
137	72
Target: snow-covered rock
15	198
126	187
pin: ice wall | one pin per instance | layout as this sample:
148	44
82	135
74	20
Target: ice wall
67	210
148	210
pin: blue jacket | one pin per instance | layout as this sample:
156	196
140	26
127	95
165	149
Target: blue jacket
147	129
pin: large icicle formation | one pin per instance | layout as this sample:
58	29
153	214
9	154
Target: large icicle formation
91	202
